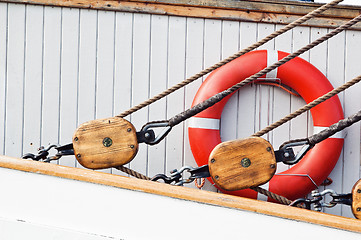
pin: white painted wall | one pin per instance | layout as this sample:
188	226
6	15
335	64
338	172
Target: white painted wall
60	67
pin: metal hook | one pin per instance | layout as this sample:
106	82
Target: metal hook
154	140
300	154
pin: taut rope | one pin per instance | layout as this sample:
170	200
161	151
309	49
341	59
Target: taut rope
227	60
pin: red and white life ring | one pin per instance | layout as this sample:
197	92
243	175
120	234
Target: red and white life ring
298	74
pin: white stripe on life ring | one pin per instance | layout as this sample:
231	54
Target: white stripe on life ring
317	129
205	123
272	58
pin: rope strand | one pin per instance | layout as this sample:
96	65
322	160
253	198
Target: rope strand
307	107
229	59
219	96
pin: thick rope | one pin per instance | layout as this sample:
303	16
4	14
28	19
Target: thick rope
334	128
272	195
308	106
229	59
133	173
219	96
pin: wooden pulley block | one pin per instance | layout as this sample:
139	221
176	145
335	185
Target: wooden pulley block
105	143
356	199
242	163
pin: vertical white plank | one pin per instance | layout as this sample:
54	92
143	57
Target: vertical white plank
140	82
247	99
301	37
33	78
15	80
123	65
69	80
123	62
105	66
318	54
230	45
194	64
51	75
213	42
264	94
281	100
213	54
158	83
3	62
352	105
87	65
175	101
336	75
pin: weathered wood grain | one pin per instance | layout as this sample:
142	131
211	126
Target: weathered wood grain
105	143
242	163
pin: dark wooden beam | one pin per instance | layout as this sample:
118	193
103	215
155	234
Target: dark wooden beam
266	11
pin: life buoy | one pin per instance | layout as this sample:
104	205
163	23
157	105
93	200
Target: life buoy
298	74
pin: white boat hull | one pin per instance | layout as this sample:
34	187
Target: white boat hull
35	205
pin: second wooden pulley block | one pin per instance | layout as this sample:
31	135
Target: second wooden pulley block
242	163
105	143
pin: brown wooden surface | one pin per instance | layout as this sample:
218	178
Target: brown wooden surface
356	199
242	163
269	11
91	138
212	198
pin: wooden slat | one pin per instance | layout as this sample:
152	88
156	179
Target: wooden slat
51	76
33	78
176	73
194	63
3	41
157	84
269	11
352	102
15	80
69	79
123	65
335	73
182	193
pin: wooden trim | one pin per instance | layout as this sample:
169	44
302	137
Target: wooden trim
184	193
266	11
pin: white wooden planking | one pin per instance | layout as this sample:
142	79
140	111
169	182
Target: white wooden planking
3	60
247	95
33	78
157	84
69	78
60	67
281	100
176	73
51	76
15	80
123	65
336	75
352	104
194	64
140	82
230	45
